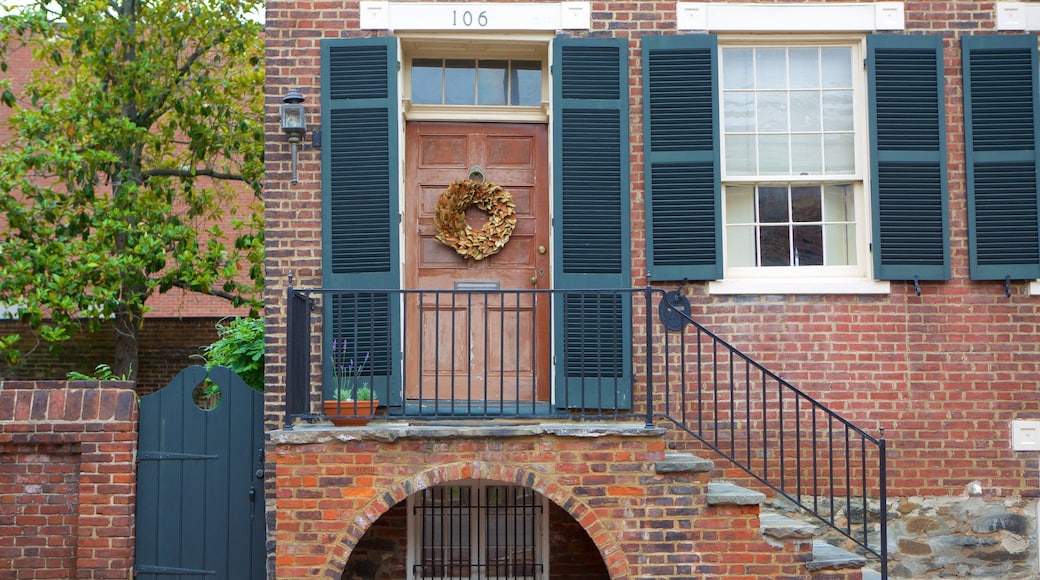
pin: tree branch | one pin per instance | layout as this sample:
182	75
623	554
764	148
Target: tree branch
163	172
212	291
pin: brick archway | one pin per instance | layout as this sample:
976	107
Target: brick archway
604	538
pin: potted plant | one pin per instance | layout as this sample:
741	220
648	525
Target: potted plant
352	401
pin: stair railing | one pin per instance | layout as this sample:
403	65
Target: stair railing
766	426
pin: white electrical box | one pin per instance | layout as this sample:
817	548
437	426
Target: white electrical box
1025	435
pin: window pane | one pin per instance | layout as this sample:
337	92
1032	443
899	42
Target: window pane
807	154
772	111
738	109
740	205
837	111
839	243
805	111
427	81
805	204
771	68
460	82
773	155
839	154
740	155
740	246
776	246
526	83
805	68
492	82
808	245
772	205
838	205
837	67
737	69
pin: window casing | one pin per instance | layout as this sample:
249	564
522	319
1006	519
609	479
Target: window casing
475	529
504	78
794	156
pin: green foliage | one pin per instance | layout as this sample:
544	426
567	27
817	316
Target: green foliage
102	372
241	349
127	143
9	352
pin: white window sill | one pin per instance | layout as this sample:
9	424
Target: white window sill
817	286
1034	288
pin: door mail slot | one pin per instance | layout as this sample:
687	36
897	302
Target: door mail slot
477	286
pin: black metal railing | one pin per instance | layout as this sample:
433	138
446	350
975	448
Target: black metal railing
618	353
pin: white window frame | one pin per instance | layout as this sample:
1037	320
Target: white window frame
857	279
478	487
527	46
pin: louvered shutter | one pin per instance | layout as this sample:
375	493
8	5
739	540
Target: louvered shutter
908	158
1000	113
591	209
360	202
683	190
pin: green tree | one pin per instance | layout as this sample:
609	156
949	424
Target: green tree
129	140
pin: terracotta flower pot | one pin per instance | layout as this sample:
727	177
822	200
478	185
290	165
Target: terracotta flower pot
345	414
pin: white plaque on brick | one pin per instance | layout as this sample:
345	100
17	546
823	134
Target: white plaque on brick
475	16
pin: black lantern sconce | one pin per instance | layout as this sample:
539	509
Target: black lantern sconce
294	123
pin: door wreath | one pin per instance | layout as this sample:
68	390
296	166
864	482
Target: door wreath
450	218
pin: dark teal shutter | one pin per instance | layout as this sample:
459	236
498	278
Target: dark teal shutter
591	213
909	203
683	191
1000	117
360	213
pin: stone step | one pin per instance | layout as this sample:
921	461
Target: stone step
729	494
683	463
783	529
828	557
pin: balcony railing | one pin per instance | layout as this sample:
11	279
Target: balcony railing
618	353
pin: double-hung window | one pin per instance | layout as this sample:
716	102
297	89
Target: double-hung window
792	167
782	164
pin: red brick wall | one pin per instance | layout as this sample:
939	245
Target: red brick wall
944	372
643	525
167	346
67	483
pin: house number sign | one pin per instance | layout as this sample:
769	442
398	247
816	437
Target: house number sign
474	16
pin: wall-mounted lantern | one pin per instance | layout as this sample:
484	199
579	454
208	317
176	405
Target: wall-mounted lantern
294	123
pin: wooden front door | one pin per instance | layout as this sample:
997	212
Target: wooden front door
477	345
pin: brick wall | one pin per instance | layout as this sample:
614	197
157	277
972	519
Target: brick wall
331	493
166	346
67	483
944	372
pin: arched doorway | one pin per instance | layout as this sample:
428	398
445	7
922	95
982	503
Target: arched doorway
476	529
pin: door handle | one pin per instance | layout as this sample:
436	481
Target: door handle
541	249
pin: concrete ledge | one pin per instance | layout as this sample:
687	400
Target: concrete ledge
729	494
394	430
683	463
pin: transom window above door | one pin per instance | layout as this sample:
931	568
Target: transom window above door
456	81
475	78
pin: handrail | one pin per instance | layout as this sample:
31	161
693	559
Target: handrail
776	433
692	378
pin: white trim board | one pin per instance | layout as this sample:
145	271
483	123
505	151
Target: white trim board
475	16
1017	16
813	17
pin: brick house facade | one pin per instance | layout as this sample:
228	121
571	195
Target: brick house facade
845	192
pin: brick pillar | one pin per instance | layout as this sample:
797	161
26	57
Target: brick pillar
67	478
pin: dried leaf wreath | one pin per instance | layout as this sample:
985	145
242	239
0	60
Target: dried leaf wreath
450	218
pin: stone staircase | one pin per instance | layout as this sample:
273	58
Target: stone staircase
823	561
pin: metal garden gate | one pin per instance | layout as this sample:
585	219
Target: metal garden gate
200	487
